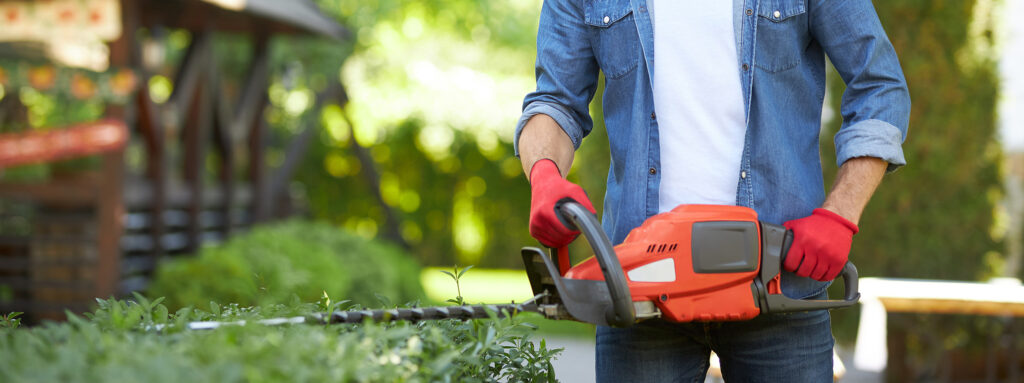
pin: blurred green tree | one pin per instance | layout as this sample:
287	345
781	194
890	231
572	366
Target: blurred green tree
446	167
935	218
423	148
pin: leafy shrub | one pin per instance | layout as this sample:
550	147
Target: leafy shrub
119	343
272	263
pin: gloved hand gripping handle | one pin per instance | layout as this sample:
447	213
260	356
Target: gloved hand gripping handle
575	216
851	290
775	242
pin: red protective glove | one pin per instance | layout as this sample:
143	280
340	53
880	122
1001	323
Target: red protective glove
547	188
821	245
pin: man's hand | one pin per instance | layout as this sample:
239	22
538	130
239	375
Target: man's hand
547	188
821	241
821	245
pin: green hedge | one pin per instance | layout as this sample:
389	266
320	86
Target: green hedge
119	343
271	264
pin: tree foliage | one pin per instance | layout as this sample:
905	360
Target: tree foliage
948	190
422	151
934	217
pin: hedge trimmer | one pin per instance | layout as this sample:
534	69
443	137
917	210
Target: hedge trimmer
694	263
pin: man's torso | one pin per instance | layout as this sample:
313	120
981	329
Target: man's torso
698	97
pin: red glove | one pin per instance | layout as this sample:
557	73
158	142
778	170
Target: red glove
547	188
821	245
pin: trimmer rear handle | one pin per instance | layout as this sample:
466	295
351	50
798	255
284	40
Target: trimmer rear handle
776	241
851	289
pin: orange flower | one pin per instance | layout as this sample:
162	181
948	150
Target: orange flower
66	15
95	16
3	76
12	15
123	82
82	87
42	77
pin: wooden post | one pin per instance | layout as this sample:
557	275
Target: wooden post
224	145
192	70
156	167
248	111
110	204
195	135
896	368
258	168
110	214
252	100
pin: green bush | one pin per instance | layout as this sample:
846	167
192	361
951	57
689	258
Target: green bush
270	264
120	342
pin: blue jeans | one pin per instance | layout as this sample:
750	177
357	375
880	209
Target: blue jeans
785	347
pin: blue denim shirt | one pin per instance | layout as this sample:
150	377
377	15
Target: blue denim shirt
782	46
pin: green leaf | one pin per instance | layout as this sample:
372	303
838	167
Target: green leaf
465	270
384	300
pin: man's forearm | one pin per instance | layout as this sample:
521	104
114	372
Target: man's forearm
543	138
855	183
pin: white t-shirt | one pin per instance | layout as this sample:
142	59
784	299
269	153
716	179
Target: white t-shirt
699	102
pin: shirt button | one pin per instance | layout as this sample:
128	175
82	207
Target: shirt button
776	14
746	67
743	174
607	19
653	116
653	171
750	12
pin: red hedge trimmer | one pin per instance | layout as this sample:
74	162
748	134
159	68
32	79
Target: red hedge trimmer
694	263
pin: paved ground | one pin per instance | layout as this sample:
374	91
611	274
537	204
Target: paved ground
576	364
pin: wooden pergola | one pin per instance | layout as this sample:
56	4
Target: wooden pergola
102	233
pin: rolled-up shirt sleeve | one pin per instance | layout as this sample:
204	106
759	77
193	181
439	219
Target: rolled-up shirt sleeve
871	138
566	71
876	103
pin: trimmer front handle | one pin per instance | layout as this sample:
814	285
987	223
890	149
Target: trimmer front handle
575	216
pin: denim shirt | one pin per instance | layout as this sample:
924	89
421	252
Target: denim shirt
782	46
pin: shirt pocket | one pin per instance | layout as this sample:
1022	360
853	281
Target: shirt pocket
782	34
615	40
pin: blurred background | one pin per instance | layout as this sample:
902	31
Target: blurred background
255	150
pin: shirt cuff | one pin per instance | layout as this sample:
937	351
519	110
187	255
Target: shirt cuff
871	138
561	116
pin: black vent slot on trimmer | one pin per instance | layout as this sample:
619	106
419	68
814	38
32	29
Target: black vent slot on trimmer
661	248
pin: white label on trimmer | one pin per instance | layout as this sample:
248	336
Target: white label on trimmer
657	271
